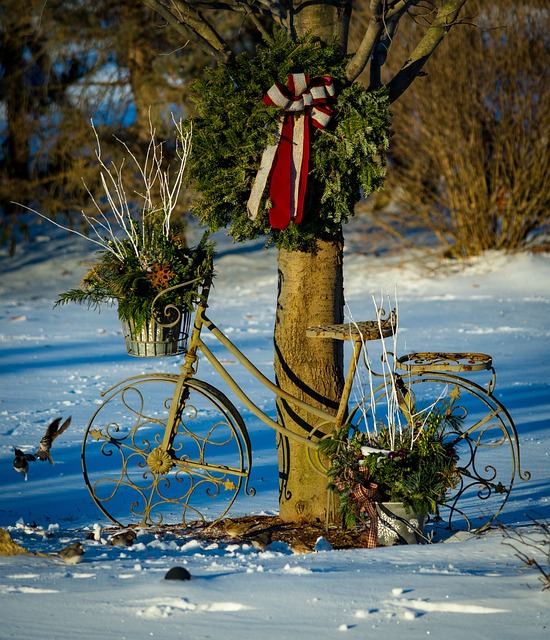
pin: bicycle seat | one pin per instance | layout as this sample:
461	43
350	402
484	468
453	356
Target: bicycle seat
356	331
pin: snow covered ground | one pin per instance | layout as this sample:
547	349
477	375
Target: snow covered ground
55	362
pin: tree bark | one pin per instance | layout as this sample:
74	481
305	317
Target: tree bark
328	20
310	293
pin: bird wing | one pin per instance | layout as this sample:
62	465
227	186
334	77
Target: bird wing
62	428
22	454
52	429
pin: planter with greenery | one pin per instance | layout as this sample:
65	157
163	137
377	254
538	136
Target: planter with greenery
153	278
143	264
414	464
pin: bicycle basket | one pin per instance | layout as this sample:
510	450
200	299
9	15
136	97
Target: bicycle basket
164	335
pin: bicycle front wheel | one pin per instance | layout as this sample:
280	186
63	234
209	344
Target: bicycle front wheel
135	479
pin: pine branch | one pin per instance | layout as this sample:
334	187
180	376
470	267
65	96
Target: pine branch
93	300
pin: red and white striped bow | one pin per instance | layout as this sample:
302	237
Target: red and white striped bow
286	164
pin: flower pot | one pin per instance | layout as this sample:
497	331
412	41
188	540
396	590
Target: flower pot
157	339
396	525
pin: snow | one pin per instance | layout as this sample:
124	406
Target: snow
56	362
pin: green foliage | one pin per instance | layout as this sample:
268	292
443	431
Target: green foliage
233	126
134	278
415	464
345	471
349	157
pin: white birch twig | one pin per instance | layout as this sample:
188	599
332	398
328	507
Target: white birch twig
161	193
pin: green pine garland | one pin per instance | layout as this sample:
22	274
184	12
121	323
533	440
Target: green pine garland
233	126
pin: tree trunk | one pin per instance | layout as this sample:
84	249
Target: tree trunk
328	20
311	292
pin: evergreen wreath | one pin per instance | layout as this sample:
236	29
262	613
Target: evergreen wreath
232	127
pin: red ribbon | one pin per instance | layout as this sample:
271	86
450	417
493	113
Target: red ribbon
304	104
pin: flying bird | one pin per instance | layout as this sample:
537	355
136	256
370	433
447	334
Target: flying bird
21	461
52	432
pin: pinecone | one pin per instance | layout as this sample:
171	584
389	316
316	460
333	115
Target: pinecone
161	275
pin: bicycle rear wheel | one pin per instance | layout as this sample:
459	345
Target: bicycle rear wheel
486	444
133	479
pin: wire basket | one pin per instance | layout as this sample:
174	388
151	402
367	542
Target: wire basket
161	336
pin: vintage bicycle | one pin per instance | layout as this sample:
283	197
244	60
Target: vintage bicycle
169	448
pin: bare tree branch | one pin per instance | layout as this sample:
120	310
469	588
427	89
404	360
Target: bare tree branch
382	47
191	24
251	14
271	9
383	20
446	17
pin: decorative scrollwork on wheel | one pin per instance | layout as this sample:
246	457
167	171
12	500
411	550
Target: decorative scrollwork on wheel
487	474
485	439
154	469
